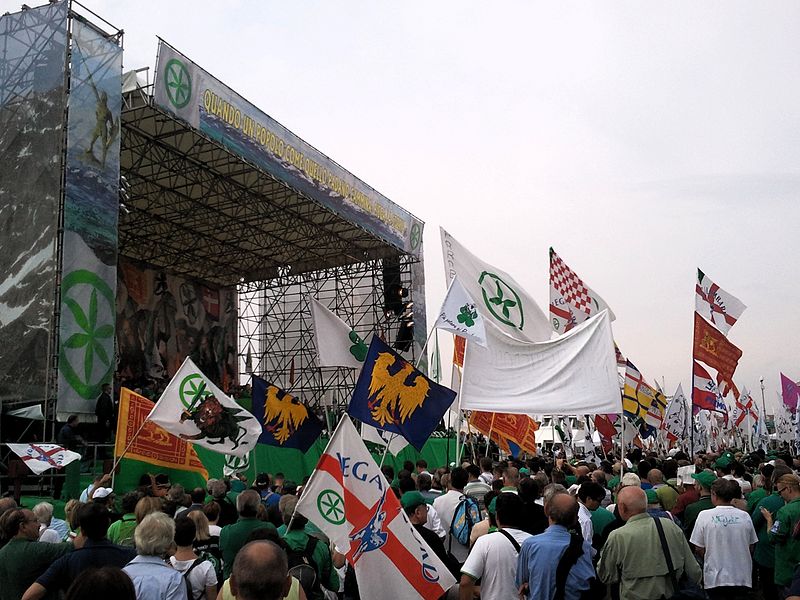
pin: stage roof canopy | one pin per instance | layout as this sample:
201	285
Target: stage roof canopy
196	208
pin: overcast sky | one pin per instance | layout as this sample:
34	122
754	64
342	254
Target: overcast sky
640	140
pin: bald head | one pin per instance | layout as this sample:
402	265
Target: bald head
655	476
631	501
562	510
582	470
260	572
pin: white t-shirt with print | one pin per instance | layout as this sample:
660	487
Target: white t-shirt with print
493	559
201	577
726	533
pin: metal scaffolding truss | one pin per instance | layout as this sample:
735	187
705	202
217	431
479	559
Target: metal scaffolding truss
197	210
276	328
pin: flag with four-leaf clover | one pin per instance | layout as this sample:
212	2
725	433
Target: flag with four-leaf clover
460	315
338	345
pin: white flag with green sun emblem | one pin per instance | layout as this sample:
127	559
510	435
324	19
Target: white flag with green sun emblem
459	314
195	409
500	300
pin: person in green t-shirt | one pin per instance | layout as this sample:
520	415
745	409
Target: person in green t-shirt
121	532
782	529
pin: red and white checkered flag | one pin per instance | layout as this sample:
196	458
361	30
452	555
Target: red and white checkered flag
571	301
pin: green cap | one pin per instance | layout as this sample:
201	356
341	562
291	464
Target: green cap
705	478
524	471
652	497
724	460
411	500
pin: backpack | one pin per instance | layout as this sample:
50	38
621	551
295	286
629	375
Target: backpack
467	513
189	593
303	568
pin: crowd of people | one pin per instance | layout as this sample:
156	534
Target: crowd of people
543	528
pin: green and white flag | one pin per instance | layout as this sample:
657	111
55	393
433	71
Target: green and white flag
499	299
338	345
460	315
195	409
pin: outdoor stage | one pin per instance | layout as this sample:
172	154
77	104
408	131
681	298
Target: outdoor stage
179	220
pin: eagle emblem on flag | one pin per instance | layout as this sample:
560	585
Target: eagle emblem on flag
394	397
283	414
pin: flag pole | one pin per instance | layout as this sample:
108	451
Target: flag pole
460	415
128	447
489	437
622	447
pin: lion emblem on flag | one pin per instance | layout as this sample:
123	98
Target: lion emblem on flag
283	415
393	398
217	423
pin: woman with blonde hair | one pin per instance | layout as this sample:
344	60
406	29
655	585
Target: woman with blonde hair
71	509
146	506
205	544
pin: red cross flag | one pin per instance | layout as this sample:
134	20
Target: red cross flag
715	304
40	457
349	499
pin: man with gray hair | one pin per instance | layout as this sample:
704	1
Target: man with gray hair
233	537
151	576
47	533
633	556
260	572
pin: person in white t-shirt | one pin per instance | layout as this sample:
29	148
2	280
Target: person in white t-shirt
493	558
200	573
446	505
724	537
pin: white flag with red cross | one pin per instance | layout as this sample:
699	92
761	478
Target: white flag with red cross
715	304
349	499
40	457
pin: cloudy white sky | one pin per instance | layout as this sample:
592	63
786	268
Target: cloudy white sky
641	140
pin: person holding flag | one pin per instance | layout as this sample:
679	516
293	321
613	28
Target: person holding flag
350	500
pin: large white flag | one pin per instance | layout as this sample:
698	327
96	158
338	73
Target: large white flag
499	299
571	300
40	457
395	441
194	409
338	345
715	304
349	499
459	314
575	373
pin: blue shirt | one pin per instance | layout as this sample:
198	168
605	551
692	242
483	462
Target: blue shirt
538	561
154	579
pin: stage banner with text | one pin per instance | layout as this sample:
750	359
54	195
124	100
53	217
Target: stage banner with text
33	58
91	209
205	103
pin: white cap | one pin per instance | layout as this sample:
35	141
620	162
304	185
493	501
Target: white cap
102	492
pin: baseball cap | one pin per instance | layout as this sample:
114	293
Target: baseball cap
705	478
411	500
102	492
262	479
652	496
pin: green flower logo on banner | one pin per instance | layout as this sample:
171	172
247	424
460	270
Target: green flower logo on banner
88	310
178	83
502	300
192	390
416	236
331	507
